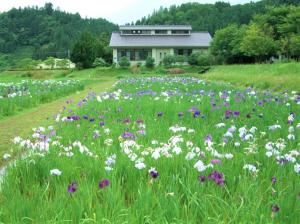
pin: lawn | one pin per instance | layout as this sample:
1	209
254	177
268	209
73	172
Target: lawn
161	150
278	77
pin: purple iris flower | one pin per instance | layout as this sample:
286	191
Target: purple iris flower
85	117
275	208
217	177
180	114
126	121
101	123
215	161
202	179
104	183
196	113
228	113
127	134
236	113
274	180
160	114
154	174
72	187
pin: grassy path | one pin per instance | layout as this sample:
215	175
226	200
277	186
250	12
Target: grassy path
22	124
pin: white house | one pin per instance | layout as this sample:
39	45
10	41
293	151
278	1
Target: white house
157	41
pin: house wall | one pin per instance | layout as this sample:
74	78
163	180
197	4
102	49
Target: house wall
158	54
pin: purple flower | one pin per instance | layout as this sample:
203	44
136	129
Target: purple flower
101	123
215	161
139	121
228	113
180	114
127	134
153	173
196	113
274	180
217	177
85	117
236	113
275	208
126	121
104	183
72	187
202	179
160	114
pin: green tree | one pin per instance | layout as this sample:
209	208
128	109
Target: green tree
257	44
84	51
193	59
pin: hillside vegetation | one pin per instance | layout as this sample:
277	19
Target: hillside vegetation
210	17
43	31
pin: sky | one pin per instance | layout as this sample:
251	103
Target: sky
116	11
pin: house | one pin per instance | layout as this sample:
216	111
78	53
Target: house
139	42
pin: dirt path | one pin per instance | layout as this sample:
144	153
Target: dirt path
22	124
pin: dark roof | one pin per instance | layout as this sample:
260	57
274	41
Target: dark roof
196	39
156	27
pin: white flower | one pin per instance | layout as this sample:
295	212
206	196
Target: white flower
154	142
297	168
274	127
17	140
140	165
269	146
269	153
237	144
190	131
55	172
228	156
177	150
6	156
199	165
156	154
251	168
190	155
220	125
291	137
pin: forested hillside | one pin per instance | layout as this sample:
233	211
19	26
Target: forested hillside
40	32
210	17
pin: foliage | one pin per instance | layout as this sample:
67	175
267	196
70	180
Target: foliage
124	62
210	17
99	62
63	63
181	59
49	31
169	60
193	58
204	59
50	61
274	33
149	62
86	50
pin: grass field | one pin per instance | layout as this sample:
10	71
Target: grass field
158	148
278	77
161	150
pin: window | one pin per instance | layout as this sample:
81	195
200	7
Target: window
161	32
184	52
135	54
180	31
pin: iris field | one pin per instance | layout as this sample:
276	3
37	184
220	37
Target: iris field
17	96
161	150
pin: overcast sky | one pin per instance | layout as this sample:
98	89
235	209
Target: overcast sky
117	11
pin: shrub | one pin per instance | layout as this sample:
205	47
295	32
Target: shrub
99	62
193	59
124	62
204	60
169	60
175	71
180	59
50	61
149	62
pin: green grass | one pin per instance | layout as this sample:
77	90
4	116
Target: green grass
30	194
284	76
